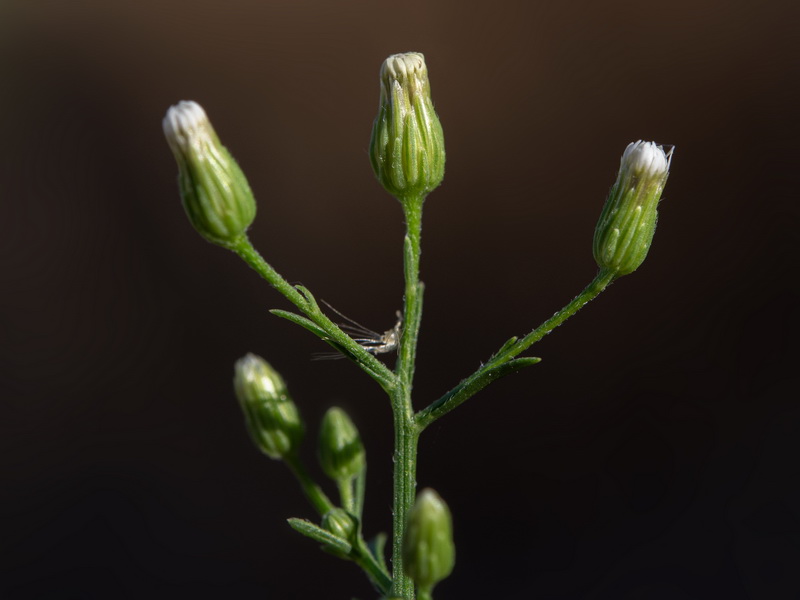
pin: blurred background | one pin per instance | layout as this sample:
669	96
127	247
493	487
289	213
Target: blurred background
651	455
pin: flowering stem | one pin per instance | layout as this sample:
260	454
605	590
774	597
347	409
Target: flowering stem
414	288
346	495
313	492
305	302
601	281
406	431
405	469
501	363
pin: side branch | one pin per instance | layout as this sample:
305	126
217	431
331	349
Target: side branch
503	363
317	322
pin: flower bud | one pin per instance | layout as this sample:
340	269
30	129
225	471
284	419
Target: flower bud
270	414
428	550
341	452
628	221
215	192
340	524
407	145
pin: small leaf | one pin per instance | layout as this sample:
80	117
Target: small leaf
312	302
506	346
326	538
376	546
302	321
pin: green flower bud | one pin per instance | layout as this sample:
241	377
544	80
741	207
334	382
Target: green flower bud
428	550
215	192
270	414
407	145
341	452
340	524
628	221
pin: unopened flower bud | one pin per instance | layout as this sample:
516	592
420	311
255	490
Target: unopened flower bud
340	524
628	221
341	452
215	192
407	145
271	416
428	550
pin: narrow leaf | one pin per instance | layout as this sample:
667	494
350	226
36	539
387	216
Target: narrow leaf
508	345
302	321
376	546
312	302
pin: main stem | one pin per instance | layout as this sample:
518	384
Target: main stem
406	432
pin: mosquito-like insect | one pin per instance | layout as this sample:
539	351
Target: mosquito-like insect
372	341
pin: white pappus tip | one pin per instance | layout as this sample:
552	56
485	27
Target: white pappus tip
401	66
646	159
186	123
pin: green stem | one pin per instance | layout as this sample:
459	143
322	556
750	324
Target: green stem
372	567
346	496
375	368
500	364
412	305
250	255
406	431
424	594
405	482
601	281
313	492
360	491
361	553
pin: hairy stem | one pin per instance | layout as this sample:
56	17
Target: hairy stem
346	496
375	368
406	432
501	363
601	281
405	483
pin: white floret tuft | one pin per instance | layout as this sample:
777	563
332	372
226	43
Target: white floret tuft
186	123
646	159
401	66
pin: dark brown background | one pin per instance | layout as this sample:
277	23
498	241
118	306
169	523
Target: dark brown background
651	455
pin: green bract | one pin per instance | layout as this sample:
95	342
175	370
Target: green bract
215	192
628	221
428	550
407	145
341	452
270	414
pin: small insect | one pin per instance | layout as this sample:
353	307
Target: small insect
372	341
